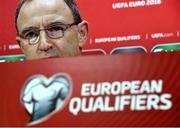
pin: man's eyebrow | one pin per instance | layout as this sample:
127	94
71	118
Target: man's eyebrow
28	28
55	22
60	21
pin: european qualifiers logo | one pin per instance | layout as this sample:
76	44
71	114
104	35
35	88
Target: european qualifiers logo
120	96
43	96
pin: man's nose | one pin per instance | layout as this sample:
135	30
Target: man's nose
44	42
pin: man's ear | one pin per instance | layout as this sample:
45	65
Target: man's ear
19	42
82	33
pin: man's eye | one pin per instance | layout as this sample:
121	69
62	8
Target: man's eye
30	35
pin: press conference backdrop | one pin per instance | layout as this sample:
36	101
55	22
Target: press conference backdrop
115	26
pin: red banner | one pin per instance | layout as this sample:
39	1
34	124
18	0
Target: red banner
119	90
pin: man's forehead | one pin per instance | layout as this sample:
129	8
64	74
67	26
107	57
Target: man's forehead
40	8
48	2
46	5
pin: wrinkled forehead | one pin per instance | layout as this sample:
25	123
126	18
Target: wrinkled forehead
43	11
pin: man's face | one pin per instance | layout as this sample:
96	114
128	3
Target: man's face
39	14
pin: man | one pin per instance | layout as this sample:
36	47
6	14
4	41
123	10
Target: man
50	28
